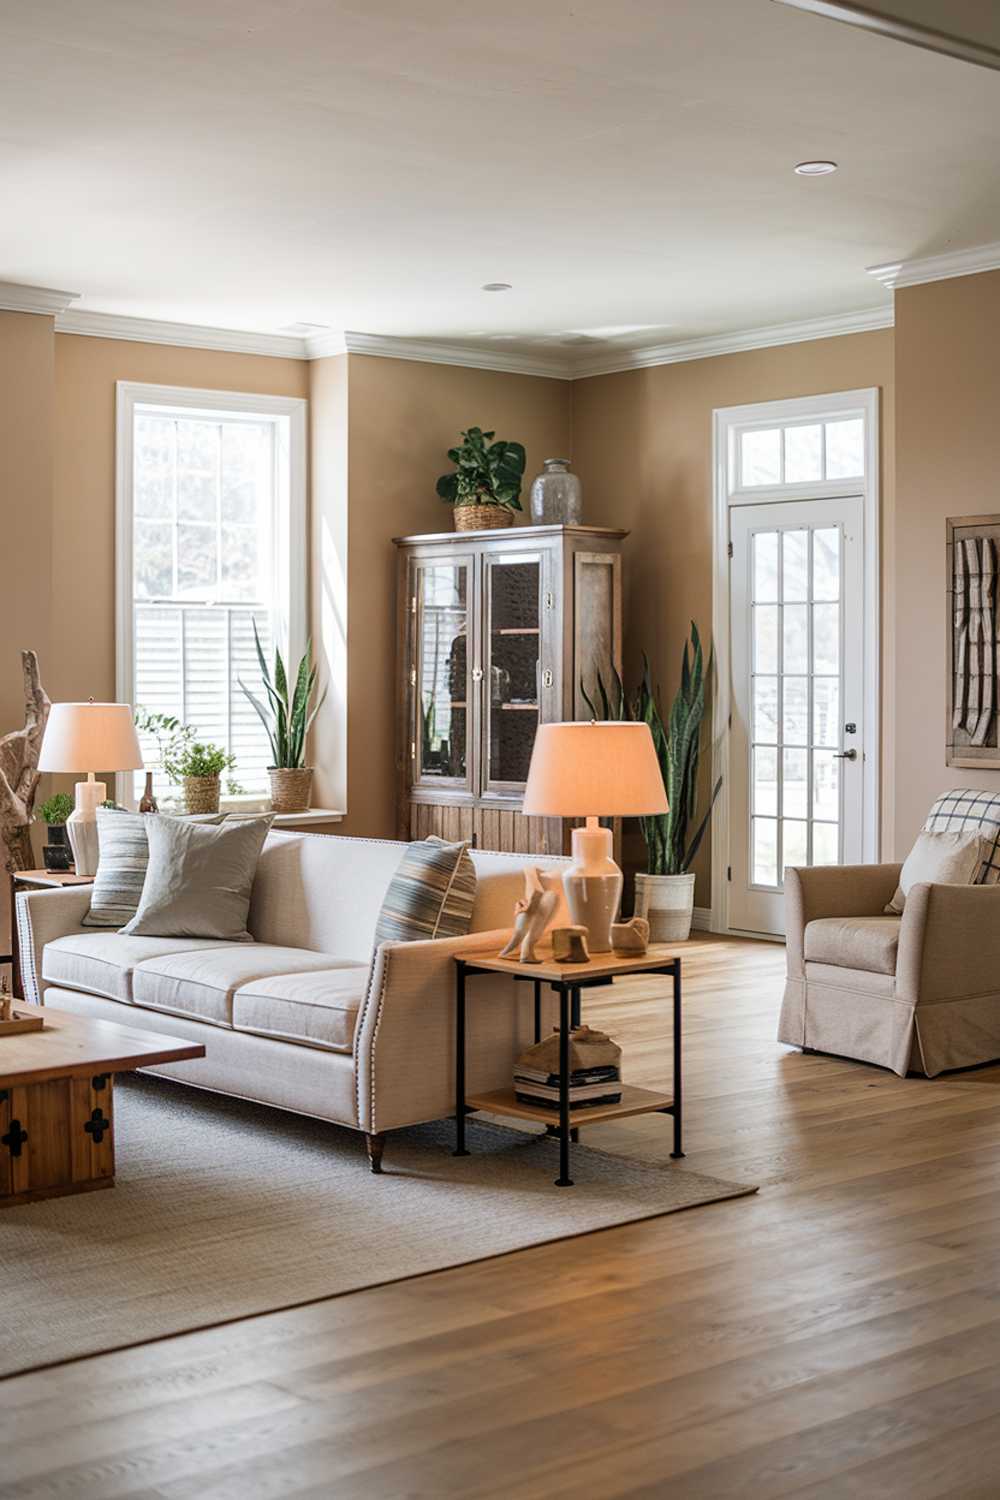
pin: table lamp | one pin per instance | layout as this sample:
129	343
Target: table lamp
82	737
595	770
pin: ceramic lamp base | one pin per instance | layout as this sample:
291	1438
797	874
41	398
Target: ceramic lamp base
593	885
81	825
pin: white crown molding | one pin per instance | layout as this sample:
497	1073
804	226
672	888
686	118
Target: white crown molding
897	273
481	358
90	324
735	343
98	325
33	299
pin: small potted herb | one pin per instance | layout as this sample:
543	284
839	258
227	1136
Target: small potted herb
198	767
56	854
486	485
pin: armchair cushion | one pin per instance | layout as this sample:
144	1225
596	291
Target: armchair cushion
941	857
868	943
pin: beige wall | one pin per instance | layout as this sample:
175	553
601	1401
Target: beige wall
403	417
947	422
643	448
26	411
641	442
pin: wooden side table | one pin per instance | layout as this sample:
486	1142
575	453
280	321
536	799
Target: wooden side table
567	980
31	880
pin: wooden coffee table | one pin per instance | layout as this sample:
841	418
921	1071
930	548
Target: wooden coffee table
56	1100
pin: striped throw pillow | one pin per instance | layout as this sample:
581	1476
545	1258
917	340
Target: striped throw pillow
121	867
431	894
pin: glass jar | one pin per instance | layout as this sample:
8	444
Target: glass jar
556	495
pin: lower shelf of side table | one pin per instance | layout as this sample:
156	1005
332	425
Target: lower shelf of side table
633	1102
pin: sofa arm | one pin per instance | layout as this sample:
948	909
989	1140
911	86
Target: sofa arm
832	891
41	917
404	1044
949	943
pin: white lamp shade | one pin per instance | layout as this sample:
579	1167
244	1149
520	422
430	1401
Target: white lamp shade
594	770
90	737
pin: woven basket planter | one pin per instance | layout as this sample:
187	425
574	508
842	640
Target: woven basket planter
291	791
201	794
482	517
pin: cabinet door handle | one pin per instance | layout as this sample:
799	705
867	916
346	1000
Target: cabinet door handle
477	674
547	677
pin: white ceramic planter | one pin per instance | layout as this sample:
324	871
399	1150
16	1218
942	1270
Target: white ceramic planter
667	903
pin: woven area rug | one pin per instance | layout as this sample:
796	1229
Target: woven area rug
223	1209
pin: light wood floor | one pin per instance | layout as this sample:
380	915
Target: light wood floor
838	1335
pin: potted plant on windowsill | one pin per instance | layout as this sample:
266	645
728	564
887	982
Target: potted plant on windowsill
664	893
287	718
56	853
198	767
486	485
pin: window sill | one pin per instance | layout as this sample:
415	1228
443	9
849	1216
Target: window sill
313	816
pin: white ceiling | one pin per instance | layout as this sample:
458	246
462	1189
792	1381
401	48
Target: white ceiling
628	167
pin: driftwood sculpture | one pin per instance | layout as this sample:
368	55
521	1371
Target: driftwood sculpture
19	753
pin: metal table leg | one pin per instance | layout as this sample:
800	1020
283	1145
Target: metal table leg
564	1179
678	1080
460	1149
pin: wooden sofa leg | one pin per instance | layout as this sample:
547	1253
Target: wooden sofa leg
376	1145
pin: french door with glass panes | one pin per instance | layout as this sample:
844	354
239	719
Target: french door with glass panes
796	764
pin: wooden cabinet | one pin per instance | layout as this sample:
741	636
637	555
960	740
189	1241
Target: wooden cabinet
496	631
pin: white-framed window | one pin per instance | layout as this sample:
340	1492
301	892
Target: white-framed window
210	538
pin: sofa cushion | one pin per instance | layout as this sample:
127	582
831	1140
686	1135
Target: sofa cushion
199	878
202	983
317	1010
102	963
431	894
868	943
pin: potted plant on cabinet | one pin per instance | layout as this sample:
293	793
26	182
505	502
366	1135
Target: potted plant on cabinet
664	892
56	853
287	718
486	485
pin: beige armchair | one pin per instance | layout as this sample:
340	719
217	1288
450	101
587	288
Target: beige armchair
921	991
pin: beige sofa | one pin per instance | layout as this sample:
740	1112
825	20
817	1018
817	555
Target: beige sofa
919	992
307	1017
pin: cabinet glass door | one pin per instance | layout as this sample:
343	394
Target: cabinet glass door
440	676
513	671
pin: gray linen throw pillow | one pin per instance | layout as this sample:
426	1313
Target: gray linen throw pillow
199	879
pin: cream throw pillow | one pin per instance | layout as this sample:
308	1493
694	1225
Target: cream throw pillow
198	879
942	859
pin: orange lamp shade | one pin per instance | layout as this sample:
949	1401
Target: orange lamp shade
594	770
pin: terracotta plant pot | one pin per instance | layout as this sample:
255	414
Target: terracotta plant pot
482	517
291	791
201	794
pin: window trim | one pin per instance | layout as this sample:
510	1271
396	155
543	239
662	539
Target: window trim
289	415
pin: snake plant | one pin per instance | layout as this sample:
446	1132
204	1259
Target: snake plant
286	718
670	846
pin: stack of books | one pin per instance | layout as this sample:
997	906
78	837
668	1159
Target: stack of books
588	1087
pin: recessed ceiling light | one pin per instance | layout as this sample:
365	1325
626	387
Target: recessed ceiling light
816	168
498	286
